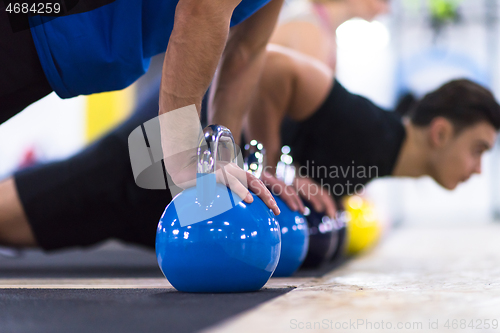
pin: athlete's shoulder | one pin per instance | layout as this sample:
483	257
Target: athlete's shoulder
298	11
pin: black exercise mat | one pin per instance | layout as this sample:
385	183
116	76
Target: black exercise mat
109	261
120	310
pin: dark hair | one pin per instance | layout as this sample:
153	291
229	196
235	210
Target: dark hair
405	103
462	102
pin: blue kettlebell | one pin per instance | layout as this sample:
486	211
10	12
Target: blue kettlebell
293	225
294	240
209	239
326	235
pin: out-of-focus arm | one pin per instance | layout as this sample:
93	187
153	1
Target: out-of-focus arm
198	39
241	65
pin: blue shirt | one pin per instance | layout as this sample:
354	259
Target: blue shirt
110	47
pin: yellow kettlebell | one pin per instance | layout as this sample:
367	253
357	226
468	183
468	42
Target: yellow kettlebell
364	228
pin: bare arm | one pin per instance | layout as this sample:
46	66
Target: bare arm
304	37
294	85
199	36
240	68
196	44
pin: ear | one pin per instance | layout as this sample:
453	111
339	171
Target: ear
441	131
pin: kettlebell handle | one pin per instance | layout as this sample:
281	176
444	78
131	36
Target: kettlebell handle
254	158
208	148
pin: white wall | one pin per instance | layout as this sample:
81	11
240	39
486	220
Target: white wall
52	127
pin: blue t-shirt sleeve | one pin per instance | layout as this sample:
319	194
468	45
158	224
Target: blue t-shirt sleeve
110	47
245	9
99	50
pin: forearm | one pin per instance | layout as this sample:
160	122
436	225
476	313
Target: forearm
196	44
234	89
195	47
234	86
265	132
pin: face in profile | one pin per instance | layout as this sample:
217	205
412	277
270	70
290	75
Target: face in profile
369	9
458	157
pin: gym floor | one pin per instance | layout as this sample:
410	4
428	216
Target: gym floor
415	280
113	288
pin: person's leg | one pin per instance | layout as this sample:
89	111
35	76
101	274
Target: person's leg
14	227
292	85
85	199
22	80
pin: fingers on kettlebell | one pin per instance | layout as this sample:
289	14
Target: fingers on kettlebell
317	204
300	204
258	187
290	201
331	209
237	187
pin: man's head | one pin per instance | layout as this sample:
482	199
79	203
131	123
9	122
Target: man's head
461	120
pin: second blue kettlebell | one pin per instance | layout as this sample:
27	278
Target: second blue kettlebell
293	225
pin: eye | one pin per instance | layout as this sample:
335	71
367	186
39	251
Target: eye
477	151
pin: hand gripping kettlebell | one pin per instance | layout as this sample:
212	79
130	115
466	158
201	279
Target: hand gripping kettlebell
208	239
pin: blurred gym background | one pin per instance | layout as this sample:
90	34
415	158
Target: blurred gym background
417	47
